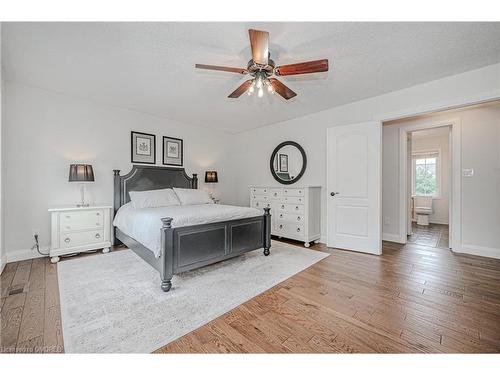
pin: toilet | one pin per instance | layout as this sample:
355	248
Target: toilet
423	208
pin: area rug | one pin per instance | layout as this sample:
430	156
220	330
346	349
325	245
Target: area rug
112	303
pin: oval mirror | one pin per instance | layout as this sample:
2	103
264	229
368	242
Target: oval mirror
288	162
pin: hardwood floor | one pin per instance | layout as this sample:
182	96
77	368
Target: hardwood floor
411	299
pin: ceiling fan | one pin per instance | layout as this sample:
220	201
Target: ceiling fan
262	68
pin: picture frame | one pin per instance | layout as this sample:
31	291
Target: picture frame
283	162
173	151
142	148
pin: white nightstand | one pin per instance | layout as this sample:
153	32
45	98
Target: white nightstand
78	229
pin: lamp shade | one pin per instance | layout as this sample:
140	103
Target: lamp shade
211	176
81	173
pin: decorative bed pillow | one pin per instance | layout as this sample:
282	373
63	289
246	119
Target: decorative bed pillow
192	196
154	198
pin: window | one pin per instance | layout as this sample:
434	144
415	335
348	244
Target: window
425	177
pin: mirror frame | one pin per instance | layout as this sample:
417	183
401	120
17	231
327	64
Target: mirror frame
304	165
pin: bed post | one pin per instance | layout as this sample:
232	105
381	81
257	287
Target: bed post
167	267
117	194
195	181
267	230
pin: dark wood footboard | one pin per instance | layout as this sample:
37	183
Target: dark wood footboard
188	248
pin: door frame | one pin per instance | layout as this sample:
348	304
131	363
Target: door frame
454	200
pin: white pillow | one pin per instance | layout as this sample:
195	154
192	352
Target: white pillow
154	198
192	196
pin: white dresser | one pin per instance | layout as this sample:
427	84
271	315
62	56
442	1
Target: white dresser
295	212
78	229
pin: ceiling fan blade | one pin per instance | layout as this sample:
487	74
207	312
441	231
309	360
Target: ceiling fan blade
221	68
259	41
281	89
241	89
302	68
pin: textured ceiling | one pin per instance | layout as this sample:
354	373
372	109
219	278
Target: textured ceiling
149	67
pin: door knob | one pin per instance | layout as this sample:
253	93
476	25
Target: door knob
334	193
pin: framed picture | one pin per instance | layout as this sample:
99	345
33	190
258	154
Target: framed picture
172	151
283	163
143	148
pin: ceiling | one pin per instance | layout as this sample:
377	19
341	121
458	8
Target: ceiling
149	67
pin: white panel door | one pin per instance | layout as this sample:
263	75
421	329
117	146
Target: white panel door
354	187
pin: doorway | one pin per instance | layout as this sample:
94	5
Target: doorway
428	176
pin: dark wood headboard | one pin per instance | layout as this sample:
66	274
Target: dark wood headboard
147	177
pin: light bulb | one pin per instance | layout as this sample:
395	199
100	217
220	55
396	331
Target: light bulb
260	93
251	89
259	83
270	87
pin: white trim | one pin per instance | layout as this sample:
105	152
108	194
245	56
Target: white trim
2	265
392	238
483	251
455	181
443	106
24	254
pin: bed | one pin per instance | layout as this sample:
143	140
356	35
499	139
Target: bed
189	238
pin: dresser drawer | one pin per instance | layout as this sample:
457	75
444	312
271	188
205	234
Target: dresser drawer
82	220
290	208
283	228
290	217
81	238
294	200
260	197
293	192
259	191
276	193
261	204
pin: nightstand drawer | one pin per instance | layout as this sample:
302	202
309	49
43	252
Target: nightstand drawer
81	220
81	238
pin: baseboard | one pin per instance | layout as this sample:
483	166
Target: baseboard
489	252
322	240
391	237
24	254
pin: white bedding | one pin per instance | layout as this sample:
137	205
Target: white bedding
144	224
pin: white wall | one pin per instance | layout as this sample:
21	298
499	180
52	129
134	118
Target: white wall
3	259
256	146
440	204
46	131
480	150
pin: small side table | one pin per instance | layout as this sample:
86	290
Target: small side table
79	229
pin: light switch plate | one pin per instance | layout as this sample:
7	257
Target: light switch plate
467	172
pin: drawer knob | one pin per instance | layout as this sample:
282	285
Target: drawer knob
68	217
97	224
298	229
282	206
281	216
268	205
275	194
257	204
281	226
98	214
298	218
296	207
67	239
97	235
